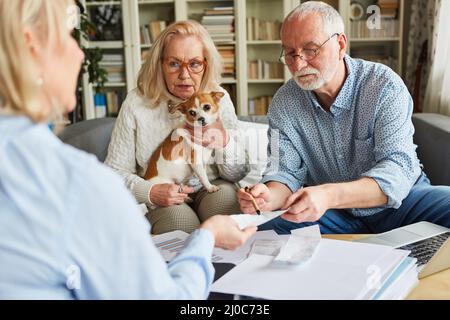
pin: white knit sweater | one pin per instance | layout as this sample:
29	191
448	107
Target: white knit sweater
139	130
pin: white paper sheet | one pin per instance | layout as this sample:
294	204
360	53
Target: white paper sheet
247	220
170	244
301	245
338	270
241	253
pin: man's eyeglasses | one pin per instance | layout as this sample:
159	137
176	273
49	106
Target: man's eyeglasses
305	54
193	66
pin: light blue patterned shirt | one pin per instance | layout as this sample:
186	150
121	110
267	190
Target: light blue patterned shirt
71	230
367	133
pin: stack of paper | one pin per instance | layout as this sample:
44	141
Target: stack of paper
301	266
338	270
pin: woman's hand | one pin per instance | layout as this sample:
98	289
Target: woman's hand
213	136
169	194
227	234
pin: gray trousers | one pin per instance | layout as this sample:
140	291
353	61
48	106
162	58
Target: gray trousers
188	217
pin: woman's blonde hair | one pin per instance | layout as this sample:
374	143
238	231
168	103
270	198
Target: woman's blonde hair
151	83
19	75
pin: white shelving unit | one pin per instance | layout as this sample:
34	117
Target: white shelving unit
136	13
391	46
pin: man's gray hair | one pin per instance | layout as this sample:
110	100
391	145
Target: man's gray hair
332	20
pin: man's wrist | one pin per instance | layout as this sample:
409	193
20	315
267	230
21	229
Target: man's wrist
332	195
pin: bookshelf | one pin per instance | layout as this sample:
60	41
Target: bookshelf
113	37
253	73
383	45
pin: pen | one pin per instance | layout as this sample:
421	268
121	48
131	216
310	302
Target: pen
247	189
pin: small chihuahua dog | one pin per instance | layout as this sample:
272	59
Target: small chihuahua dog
178	157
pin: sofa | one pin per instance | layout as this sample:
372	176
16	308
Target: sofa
432	136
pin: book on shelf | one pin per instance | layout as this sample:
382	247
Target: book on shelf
114	65
219	11
259	105
219	22
260	69
227	52
258	29
156	27
108	104
100	105
380	54
145	35
390	28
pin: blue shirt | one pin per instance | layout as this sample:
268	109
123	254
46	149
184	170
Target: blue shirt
71	230
368	132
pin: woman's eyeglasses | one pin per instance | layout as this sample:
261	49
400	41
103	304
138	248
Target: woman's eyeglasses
193	65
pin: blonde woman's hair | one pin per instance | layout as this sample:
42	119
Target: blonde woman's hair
151	83
19	74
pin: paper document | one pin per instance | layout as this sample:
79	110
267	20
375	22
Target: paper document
241	253
338	270
247	220
171	243
301	245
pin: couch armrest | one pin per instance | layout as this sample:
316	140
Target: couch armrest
92	136
432	137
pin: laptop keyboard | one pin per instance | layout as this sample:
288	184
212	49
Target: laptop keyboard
424	250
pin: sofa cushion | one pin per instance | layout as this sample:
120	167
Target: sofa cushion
254	137
92	136
433	139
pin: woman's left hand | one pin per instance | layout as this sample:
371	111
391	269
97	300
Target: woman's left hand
213	136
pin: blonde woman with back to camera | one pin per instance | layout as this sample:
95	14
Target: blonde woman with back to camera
70	229
182	61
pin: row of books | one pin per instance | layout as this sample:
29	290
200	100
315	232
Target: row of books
108	104
151	31
219	22
260	69
389	28
114	65
227	52
258	29
381	54
259	106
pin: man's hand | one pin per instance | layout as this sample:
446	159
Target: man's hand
260	193
307	205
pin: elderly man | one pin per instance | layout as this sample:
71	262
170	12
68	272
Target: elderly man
346	158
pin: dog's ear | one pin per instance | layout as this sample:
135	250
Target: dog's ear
217	96
174	107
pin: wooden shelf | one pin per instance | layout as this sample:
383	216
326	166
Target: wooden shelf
106	44
264	42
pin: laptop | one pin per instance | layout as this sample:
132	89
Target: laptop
428	243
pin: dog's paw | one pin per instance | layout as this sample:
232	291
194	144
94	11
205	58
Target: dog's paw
213	189
188	200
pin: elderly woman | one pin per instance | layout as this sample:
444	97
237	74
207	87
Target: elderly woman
181	62
61	210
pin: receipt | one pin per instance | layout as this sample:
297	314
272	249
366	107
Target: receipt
247	220
301	245
267	247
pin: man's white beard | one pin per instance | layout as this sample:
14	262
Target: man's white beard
317	81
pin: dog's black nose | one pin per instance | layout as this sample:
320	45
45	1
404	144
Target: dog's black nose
202	120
